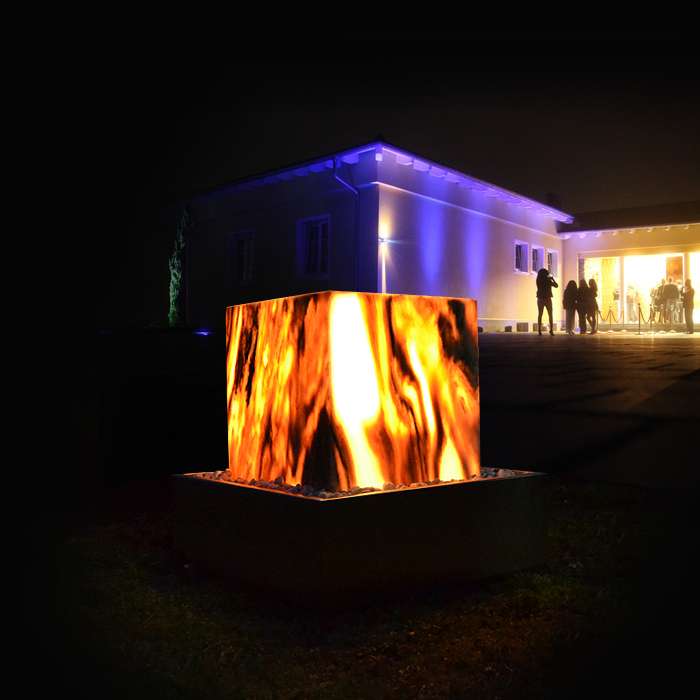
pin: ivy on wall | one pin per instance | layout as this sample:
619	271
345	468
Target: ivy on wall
176	266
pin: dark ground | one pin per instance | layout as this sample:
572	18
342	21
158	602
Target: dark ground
614	611
612	407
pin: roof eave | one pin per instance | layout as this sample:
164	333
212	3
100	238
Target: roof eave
351	156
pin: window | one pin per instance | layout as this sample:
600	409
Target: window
537	258
521	261
240	257
313	246
553	262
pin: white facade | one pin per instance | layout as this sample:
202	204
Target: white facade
376	218
441	237
629	262
394	223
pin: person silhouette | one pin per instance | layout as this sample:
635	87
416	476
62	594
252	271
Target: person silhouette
593	308
569	303
655	311
670	296
544	282
688	299
583	305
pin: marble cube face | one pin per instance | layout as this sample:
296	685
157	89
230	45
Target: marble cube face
337	390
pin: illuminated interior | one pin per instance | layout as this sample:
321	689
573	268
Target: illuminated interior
694	275
642	274
626	282
606	273
337	390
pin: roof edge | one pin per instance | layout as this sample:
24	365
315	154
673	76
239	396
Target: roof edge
351	156
649	216
606	229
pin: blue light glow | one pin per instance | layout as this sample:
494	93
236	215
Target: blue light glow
475	255
380	149
431	240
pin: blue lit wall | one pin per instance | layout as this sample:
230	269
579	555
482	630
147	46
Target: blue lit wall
431	239
441	249
446	233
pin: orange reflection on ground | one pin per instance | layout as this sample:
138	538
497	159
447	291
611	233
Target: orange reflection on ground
344	389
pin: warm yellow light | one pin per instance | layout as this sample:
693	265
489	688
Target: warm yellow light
383	251
450	464
355	391
345	389
606	273
626	283
642	274
694	276
384	229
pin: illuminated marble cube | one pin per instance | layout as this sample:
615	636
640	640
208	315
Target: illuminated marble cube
337	390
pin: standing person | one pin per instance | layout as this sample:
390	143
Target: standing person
583	304
679	302
569	303
631	316
655	303
545	282
669	296
593	311
688	298
659	300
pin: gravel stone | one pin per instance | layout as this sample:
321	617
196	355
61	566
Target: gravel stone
306	490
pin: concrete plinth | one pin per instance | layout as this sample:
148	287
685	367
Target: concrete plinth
333	549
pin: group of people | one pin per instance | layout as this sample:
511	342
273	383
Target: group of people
672	302
582	299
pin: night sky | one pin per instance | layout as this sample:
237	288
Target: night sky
599	124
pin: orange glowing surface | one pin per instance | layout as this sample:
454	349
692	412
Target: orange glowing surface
344	389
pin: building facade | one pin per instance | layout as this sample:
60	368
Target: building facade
376	218
628	253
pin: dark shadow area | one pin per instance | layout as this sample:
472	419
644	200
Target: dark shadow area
592	406
138	404
650	652
607	615
162	402
112	609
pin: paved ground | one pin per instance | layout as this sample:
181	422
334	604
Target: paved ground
617	407
614	406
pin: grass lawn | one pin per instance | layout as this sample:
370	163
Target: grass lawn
604	616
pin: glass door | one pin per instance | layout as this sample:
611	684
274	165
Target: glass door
606	273
694	276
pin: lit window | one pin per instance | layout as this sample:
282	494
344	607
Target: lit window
521	257
537	258
313	247
552	262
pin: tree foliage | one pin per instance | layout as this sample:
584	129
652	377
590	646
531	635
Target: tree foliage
176	266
